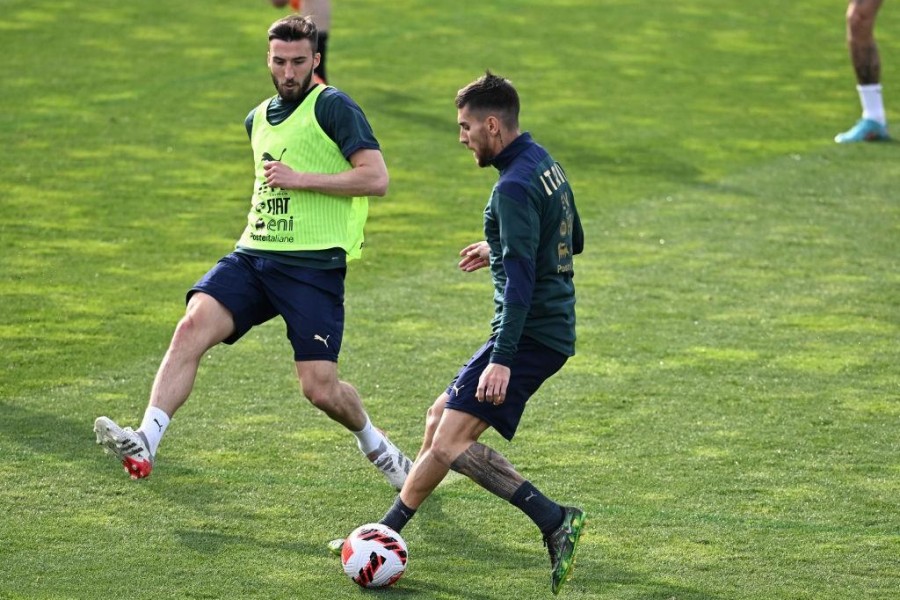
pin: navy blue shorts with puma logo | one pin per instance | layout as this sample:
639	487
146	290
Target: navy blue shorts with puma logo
533	364
255	289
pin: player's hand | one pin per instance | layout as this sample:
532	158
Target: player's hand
475	256
492	384
279	175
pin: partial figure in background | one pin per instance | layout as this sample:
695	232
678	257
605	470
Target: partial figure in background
872	126
320	12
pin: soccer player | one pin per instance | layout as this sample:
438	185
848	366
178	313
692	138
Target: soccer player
532	230
316	160
872	127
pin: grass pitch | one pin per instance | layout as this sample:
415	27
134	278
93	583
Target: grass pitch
730	423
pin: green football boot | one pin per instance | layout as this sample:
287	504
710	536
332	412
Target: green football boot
562	544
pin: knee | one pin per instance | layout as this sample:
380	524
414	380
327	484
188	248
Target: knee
447	444
187	336
319	395
442	452
204	324
860	23
432	418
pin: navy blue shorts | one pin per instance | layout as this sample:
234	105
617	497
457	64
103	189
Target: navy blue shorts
533	364
255	289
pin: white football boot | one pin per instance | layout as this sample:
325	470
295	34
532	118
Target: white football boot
392	462
127	445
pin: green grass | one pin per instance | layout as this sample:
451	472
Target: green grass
731	422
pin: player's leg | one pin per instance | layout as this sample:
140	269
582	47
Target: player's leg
455	446
338	399
458	419
429	470
311	302
342	403
205	323
455	432
866	61
432	419
225	291
861	16
559	525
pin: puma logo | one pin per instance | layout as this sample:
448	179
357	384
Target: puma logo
530	496
456	389
269	158
158	424
319	338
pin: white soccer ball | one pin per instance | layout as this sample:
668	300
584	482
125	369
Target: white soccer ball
374	555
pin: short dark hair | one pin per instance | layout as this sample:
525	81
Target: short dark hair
293	28
491	93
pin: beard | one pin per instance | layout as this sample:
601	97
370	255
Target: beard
482	150
483	157
295	92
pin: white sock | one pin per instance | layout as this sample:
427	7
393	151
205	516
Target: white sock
368	438
872	104
154	426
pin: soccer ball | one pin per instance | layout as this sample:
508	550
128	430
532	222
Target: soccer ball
374	555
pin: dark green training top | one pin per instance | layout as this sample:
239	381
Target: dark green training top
533	230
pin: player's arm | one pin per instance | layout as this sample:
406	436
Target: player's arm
519	238
344	122
578	237
494	380
520	277
368	176
577	233
248	124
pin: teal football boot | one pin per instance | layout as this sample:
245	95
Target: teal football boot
865	130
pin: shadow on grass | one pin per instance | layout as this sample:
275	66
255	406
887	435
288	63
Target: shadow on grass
453	538
48	433
70	440
643	586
